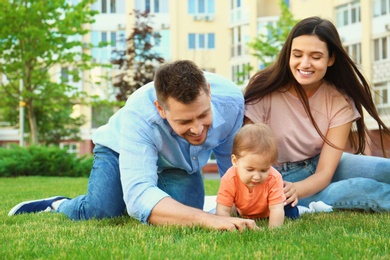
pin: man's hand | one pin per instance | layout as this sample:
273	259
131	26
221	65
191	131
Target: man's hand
230	223
170	212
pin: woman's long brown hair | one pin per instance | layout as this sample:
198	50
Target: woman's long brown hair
343	74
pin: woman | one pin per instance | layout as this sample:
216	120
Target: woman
311	97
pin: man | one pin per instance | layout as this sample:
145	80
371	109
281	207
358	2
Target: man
149	156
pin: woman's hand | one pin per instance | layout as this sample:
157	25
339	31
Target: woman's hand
291	193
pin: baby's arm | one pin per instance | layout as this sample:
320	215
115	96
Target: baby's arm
223	210
276	215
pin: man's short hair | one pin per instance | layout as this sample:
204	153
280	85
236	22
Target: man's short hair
182	80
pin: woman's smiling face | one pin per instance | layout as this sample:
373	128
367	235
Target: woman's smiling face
309	60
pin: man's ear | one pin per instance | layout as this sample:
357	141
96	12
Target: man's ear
160	109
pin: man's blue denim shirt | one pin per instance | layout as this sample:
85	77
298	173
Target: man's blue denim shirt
147	144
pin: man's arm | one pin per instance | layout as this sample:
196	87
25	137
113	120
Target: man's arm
170	212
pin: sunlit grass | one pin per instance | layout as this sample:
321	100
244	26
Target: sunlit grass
337	235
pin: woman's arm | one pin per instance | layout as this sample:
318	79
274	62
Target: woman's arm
329	159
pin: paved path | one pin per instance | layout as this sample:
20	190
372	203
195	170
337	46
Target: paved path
211	175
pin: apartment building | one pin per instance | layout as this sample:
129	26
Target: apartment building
215	33
110	26
212	33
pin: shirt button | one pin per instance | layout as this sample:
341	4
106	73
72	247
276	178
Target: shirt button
194	158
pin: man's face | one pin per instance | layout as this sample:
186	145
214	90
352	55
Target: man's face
190	121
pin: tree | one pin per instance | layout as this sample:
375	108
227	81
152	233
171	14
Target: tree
139	61
37	36
266	47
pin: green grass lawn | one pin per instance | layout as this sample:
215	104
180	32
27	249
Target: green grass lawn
336	235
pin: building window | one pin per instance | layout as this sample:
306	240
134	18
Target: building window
235	4
348	14
191	41
70	147
152	6
201	41
376	49
381	7
240	73
355	52
211	41
156	6
71	77
147	5
64	74
355	12
382	97
104	53
104	7
381	47
113	6
237	48
264	23
111	40
234	73
104	37
231	43
196	7
109	6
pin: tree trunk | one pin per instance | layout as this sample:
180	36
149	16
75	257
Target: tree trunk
33	124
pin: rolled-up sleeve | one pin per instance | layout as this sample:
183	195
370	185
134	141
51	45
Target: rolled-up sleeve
138	168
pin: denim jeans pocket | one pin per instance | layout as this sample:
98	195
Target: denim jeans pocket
297	171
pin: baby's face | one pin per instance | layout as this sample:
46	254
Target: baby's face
253	169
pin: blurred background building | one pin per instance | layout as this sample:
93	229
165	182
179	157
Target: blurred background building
215	33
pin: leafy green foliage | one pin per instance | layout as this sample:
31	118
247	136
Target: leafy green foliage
267	47
139	61
38	36
42	161
103	110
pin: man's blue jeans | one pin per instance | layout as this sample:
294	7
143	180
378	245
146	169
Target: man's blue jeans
104	198
360	182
